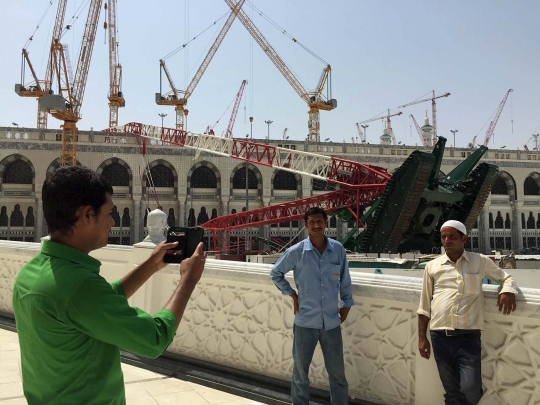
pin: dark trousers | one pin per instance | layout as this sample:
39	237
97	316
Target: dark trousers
458	359
304	343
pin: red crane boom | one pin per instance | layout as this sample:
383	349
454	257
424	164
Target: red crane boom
228	134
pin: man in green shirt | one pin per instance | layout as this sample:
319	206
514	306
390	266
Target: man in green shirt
71	322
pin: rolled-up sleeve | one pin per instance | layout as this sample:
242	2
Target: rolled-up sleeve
101	310
507	282
426	295
345	288
285	264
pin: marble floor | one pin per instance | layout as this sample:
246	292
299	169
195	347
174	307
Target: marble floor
143	387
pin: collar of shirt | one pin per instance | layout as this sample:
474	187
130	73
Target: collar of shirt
309	246
464	256
65	252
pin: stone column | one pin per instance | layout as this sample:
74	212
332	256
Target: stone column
224	206
40	225
515	226
142	208
519	229
483	232
135	229
182	211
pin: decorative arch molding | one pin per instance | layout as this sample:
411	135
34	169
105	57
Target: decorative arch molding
11	159
113	160
211	167
534	176
151	165
510	184
255	170
54	165
298	182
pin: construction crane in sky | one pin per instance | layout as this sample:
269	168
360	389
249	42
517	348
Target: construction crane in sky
314	99
387	123
66	105
116	97
39	88
285	136
361	133
419	130
228	133
179	98
535	148
433	110
493	123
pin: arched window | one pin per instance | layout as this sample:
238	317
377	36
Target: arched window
30	219
333	221
499	187
203	177
239	179
284	181
538	222
522	220
16	218
161	176
115	216
171	219
126	219
530	221
507	222
499	221
116	175
202	217
18	172
490	220
191	217
214	213
531	186
3	216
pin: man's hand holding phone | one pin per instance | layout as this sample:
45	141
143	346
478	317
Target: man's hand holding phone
191	269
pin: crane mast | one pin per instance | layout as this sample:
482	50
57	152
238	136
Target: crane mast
228	133
115	97
67	104
493	123
313	99
433	110
40	88
360	133
179	98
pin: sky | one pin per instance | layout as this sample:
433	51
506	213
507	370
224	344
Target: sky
383	54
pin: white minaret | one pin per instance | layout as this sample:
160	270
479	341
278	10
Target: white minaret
386	137
427	131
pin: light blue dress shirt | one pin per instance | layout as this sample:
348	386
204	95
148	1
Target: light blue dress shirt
319	279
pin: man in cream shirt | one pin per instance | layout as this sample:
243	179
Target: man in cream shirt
452	303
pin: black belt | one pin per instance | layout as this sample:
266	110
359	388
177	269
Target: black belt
456	332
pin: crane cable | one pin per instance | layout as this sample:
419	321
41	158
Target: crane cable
74	17
181	47
284	32
31	38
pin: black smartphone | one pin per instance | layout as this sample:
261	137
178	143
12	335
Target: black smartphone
188	239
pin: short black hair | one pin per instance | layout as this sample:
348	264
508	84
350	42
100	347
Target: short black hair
315	211
69	188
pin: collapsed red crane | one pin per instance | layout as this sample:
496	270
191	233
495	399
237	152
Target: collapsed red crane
359	184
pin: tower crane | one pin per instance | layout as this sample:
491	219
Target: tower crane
39	88
493	123
116	97
285	137
228	133
433	110
314	99
360	133
535	148
387	122
419	130
66	105
179	98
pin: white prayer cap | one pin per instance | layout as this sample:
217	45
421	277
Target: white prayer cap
456	225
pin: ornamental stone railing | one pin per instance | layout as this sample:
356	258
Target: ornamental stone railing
237	318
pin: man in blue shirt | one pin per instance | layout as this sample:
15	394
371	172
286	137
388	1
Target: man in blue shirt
321	272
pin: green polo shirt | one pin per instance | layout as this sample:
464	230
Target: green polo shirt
71	325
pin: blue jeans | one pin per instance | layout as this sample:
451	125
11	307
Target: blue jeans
458	359
305	341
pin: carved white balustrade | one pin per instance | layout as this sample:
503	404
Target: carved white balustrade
236	317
